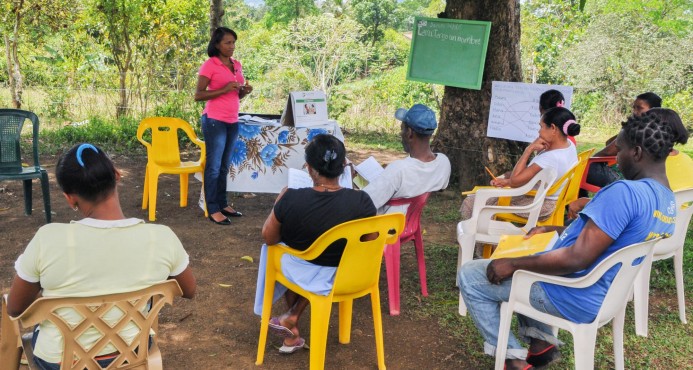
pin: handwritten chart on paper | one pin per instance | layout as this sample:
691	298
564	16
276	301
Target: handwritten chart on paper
514	113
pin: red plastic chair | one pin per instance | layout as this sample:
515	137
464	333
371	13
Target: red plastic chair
611	160
412	231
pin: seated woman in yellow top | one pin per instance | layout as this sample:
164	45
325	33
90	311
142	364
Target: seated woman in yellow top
102	253
679	165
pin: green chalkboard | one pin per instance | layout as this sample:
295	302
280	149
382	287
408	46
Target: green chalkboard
450	52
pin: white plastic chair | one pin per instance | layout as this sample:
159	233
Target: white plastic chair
665	248
584	335
481	227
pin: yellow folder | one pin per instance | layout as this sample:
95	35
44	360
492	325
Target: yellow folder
511	246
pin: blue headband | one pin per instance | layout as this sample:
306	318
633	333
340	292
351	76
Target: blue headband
81	149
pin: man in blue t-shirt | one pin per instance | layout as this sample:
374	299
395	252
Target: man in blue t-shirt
626	212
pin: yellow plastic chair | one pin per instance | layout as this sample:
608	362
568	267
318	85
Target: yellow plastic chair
136	355
569	193
163	156
357	275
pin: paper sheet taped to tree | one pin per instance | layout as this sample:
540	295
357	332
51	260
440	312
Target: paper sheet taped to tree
514	112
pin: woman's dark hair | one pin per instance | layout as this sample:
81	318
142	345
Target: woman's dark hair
217	35
86	171
652	99
563	119
651	134
671	118
326	154
550	99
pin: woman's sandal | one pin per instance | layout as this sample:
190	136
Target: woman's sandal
287	350
280	330
545	357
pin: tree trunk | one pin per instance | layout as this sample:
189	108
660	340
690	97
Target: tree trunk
14	72
216	12
464	113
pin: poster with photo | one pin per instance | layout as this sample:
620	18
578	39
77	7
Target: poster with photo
305	109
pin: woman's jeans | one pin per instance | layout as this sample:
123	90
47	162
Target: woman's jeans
483	300
220	138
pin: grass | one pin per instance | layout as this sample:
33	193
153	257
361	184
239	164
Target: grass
668	346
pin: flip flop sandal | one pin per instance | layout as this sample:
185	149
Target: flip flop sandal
545	357
280	330
287	350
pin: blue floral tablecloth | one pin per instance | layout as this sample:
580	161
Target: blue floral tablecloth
263	155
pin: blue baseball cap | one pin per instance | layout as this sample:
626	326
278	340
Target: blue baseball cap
420	118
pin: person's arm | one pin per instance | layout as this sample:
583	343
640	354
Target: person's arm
22	294
590	244
202	94
522	173
245	90
609	150
187	282
271	230
576	206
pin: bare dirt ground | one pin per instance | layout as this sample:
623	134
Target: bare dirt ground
217	329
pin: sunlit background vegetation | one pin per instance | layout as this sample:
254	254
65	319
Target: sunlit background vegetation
73	54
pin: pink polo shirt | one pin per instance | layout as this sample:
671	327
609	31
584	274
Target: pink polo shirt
225	107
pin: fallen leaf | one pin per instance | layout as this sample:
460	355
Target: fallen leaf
247	258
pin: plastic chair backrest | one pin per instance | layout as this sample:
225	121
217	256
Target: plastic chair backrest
91	309
11	123
164	146
360	264
414	209
569	192
622	285
684	211
587	186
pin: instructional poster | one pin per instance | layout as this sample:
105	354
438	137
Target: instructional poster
514	113
305	108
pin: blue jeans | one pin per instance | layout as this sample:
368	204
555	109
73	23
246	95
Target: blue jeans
483	301
220	138
44	365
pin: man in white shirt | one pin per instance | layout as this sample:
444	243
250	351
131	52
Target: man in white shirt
423	171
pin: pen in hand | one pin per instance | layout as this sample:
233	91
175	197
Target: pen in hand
490	173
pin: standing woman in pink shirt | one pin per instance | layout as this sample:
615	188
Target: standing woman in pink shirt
221	84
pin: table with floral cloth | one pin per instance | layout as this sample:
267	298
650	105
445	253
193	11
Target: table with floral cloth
264	153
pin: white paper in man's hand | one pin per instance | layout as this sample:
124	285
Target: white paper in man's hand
369	169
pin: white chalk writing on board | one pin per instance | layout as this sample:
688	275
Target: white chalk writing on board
514	112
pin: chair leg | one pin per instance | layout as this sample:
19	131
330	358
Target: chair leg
183	189
421	260
153	183
506	316
145	191
392	258
584	340
641	298
45	189
378	327
465	254
27	196
617	329
10	345
678	272
265	317
345	317
320	308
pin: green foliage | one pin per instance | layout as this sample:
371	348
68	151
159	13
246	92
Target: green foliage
287	11
118	136
368	105
373	15
392	51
